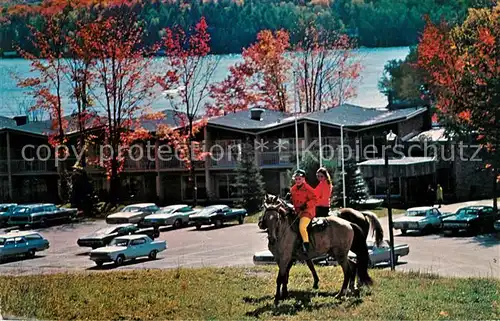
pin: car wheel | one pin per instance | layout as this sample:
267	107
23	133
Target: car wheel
177	223
31	253
43	222
152	255
241	219
218	223
119	260
403	232
99	263
427	229
198	226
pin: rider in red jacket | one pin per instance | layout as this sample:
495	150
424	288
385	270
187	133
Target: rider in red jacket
304	200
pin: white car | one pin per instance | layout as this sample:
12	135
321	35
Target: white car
377	255
127	247
133	213
423	219
175	215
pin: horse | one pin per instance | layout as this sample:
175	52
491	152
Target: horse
365	220
335	237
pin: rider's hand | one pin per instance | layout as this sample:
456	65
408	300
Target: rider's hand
303	207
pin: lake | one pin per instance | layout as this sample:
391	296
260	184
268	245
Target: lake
14	99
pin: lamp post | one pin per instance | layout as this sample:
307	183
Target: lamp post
390	138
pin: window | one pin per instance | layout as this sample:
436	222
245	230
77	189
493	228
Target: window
188	190
20	240
33	237
381	189
185	209
153	209
9	242
138	242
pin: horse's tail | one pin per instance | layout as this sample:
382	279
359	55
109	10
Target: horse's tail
376	226
360	248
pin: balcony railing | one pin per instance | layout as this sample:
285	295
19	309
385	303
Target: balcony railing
35	166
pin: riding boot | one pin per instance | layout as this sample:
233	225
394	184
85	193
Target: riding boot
305	247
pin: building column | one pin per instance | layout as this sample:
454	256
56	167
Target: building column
307	135
257	152
159	191
9	169
206	148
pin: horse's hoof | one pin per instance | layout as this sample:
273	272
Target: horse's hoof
315	286
276	302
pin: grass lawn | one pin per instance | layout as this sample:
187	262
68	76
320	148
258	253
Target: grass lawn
381	212
243	294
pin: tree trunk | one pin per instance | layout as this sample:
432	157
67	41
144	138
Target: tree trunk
192	173
114	187
495	205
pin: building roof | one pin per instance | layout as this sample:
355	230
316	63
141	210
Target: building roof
241	120
344	115
356	116
432	135
6	122
397	161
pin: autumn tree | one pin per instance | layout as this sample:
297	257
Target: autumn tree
463	64
261	79
325	69
123	87
49	47
189	62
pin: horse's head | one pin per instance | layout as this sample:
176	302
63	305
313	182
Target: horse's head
275	212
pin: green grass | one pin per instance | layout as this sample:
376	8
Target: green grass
243	294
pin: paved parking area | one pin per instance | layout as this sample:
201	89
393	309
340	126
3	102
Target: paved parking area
235	244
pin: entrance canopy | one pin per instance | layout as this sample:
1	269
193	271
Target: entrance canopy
399	167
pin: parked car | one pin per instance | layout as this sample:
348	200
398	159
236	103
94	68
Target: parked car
126	248
217	215
497	225
133	213
473	219
40	214
378	255
423	219
104	236
6	211
175	215
27	243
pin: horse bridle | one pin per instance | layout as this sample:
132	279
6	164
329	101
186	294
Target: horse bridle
280	208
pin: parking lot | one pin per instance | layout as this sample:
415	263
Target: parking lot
235	244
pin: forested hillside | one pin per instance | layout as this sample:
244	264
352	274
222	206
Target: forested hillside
235	23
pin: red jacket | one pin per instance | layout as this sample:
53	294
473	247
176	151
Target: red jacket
323	192
301	195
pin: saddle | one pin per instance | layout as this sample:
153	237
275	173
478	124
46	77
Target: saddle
318	224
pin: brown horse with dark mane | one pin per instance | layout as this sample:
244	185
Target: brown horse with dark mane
331	235
365	220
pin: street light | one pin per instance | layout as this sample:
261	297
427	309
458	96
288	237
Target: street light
390	138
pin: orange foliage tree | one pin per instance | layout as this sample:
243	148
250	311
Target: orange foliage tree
322	69
463	64
190	68
46	88
123	86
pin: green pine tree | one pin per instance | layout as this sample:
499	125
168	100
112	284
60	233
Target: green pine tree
355	185
249	182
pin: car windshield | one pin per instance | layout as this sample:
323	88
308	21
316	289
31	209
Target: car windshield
415	213
129	209
105	230
21	210
468	211
209	210
166	211
119	242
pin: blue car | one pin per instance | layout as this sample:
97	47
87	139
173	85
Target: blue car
217	215
6	211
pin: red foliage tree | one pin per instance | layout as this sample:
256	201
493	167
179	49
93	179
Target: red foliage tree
463	64
260	79
46	88
188	62
123	86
